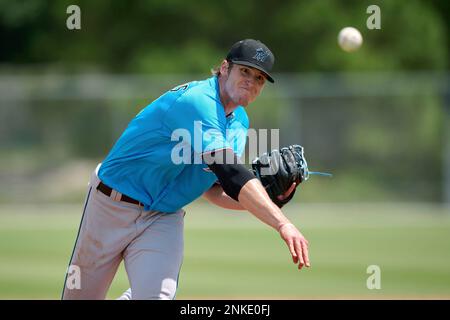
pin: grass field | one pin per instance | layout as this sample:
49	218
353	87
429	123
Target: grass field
230	255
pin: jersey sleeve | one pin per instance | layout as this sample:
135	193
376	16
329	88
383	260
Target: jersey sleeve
201	118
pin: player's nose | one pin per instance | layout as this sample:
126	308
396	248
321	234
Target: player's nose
251	83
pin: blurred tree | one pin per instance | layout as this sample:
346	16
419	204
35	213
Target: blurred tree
171	36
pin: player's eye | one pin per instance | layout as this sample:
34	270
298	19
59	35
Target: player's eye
244	71
260	79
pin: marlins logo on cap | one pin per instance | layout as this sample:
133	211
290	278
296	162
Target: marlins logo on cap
260	55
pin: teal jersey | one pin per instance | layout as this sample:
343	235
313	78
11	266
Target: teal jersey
157	160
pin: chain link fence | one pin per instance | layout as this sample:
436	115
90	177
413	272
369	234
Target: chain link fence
384	136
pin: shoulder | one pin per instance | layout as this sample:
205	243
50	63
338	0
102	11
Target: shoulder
201	91
200	97
195	101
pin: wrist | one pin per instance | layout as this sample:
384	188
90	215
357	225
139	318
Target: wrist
282	225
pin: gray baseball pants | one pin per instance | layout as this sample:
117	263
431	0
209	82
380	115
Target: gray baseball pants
149	242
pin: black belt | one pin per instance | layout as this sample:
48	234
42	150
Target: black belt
107	191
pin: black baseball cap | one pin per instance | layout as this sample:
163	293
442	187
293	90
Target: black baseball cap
252	53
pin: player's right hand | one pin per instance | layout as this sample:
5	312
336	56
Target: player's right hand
297	244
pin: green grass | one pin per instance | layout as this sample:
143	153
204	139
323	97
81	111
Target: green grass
232	255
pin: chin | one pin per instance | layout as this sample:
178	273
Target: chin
244	101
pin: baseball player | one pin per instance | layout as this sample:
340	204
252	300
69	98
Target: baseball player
134	205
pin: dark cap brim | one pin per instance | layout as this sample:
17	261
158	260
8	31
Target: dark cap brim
249	64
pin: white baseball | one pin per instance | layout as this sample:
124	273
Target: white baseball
350	39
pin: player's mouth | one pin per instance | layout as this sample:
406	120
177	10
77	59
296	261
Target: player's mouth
245	93
246	90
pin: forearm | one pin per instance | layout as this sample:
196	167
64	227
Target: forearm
254	198
217	196
243	187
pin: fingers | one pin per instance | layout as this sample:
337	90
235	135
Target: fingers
301	253
293	252
292	187
298	250
306	253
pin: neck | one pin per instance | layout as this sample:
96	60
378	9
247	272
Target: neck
228	105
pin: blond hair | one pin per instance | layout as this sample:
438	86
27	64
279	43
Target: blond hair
215	71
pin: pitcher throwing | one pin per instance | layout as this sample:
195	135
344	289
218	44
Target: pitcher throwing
134	204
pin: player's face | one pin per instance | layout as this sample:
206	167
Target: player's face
244	84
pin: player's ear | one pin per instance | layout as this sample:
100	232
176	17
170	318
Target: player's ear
224	68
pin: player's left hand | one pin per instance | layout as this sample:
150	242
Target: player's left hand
278	170
286	195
